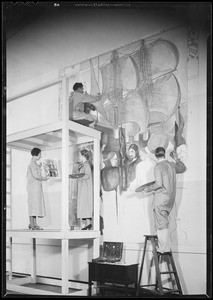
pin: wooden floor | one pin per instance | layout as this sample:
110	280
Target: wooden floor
44	287
39	286
116	292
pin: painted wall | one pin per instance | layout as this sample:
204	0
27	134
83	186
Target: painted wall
188	232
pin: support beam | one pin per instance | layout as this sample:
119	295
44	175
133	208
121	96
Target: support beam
64	265
10	259
65	156
37	89
33	261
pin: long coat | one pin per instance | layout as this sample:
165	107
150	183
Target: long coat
36	206
85	193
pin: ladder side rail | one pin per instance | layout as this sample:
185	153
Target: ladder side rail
176	274
157	268
141	268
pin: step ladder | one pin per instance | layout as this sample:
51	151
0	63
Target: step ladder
158	258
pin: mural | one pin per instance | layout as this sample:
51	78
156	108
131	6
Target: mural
143	103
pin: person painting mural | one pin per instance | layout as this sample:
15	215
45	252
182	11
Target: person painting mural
164	190
36	206
80	105
85	191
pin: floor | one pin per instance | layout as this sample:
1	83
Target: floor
112	291
116	292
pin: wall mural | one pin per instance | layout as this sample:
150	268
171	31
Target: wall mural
143	103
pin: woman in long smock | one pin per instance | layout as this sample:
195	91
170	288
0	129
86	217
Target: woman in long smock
85	191
34	189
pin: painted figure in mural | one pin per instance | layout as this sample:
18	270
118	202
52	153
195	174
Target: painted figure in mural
110	172
145	168
36	207
85	191
80	105
134	160
164	190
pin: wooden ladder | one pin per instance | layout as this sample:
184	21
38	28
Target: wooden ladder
158	258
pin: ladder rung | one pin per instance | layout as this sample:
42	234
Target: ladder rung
147	285
156	256
170	272
171	291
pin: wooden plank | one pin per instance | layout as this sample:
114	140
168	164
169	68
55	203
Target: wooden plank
28	290
33	132
19	281
84	130
19	146
55	281
80	293
37	89
53	234
26	145
48	137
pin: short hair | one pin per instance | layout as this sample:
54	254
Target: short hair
85	153
160	152
77	85
35	151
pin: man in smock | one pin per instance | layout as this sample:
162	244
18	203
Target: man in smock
164	190
80	105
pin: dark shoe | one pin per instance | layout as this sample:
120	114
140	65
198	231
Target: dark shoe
88	227
31	227
36	227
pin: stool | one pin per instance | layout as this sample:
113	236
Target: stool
158	258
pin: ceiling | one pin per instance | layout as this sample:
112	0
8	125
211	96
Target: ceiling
39	38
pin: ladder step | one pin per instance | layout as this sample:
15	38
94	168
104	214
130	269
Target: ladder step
159	288
172	291
147	285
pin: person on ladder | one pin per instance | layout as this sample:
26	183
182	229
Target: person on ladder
164	190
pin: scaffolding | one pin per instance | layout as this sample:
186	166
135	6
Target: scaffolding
57	134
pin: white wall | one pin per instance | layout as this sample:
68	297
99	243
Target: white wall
92	34
64	37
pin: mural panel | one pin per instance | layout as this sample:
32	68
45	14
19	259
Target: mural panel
142	105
